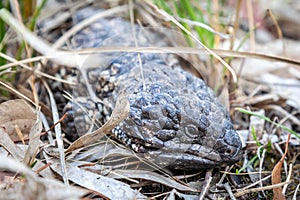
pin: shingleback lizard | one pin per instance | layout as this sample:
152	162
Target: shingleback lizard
174	119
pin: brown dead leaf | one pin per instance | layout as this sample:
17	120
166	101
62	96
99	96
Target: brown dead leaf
120	112
30	186
151	176
34	142
16	112
10	146
107	187
27	188
276	174
260	100
224	96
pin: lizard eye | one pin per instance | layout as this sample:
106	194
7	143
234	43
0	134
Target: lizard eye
191	131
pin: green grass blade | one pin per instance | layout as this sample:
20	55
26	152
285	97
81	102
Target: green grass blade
248	164
248	112
2	35
36	14
254	136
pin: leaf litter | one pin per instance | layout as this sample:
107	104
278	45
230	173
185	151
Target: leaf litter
264	85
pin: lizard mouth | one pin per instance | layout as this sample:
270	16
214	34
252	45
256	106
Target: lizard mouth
197	157
181	160
180	155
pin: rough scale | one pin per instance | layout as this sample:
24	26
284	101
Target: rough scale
175	119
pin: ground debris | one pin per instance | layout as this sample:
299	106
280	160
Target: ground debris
267	87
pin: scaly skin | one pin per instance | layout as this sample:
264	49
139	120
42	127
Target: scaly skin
175	119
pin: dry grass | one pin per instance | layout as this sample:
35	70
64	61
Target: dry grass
266	117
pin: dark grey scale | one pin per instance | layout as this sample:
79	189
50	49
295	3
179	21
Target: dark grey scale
175	120
203	124
165	134
80	116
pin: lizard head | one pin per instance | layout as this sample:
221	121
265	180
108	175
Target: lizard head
181	130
